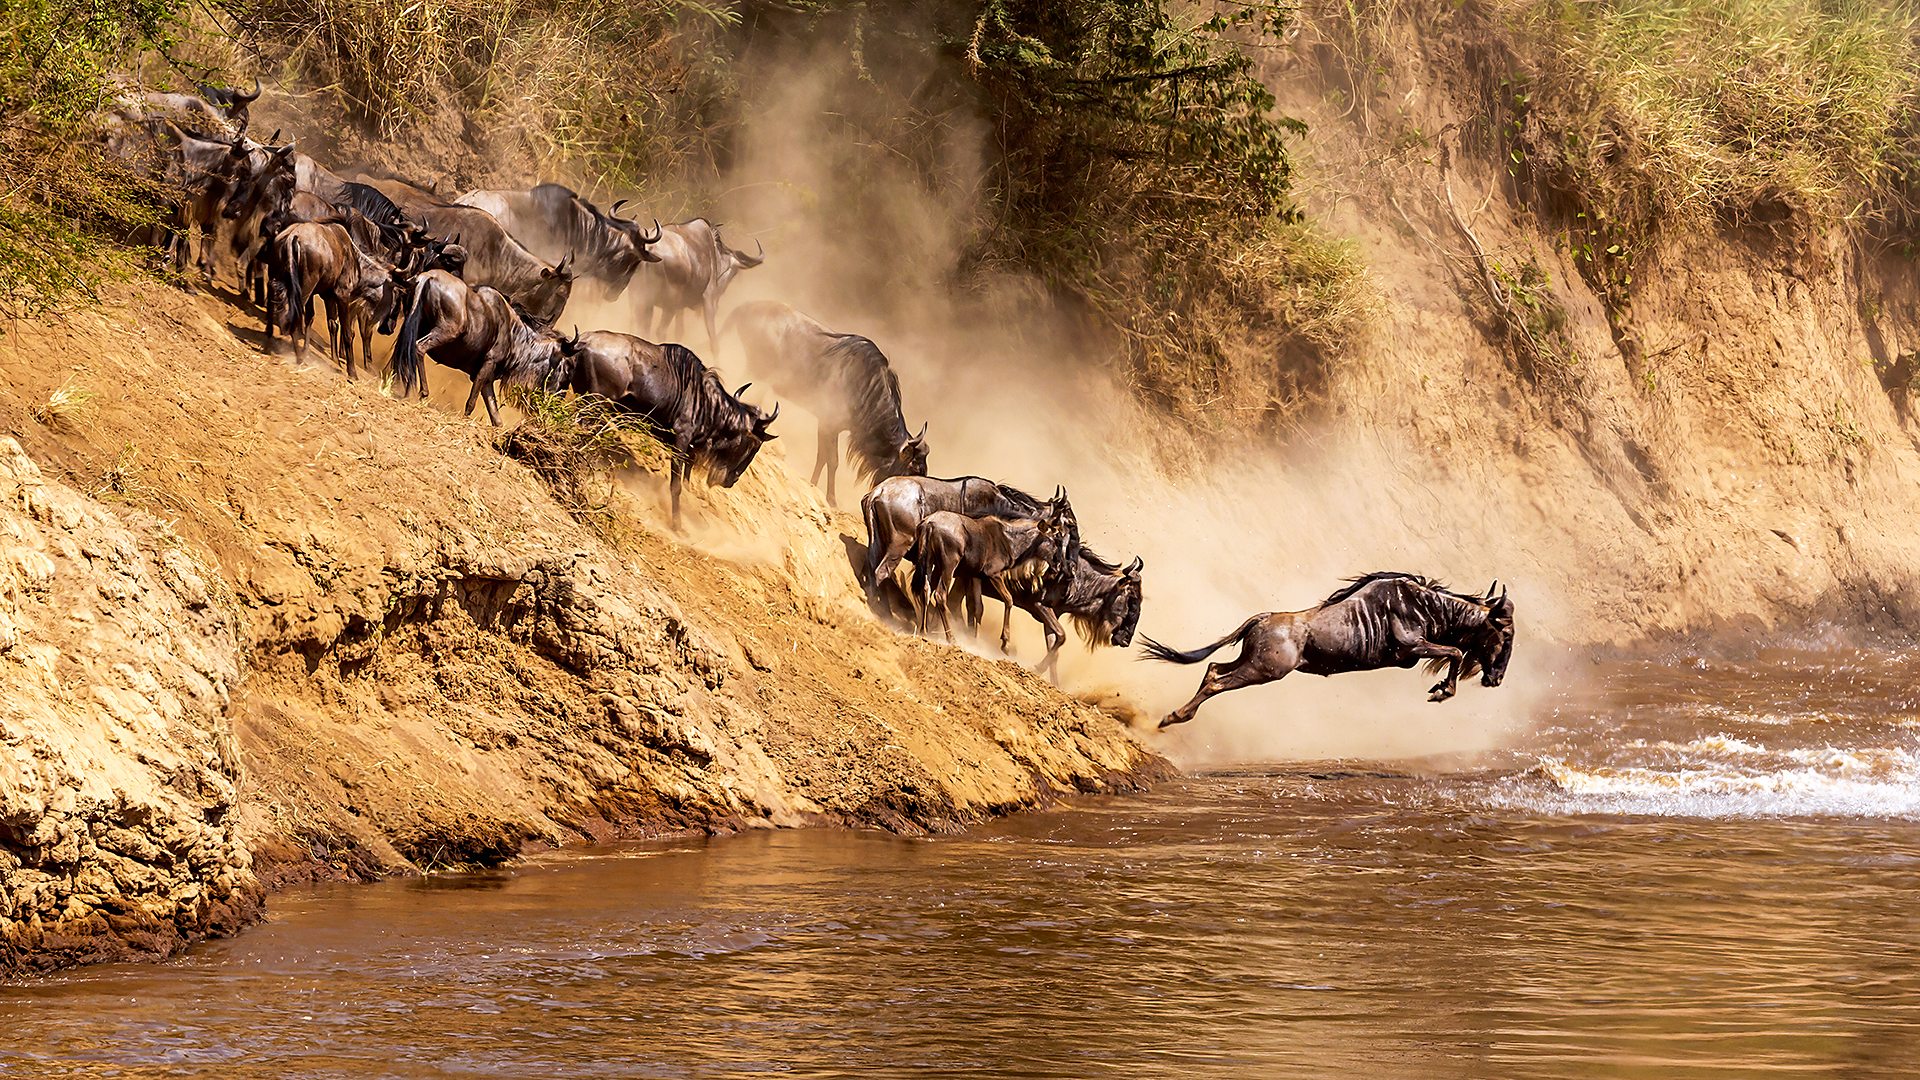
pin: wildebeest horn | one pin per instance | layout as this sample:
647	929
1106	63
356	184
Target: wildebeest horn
1493	588
747	260
743	389
614	210
772	416
658	232
1134	567
1503	592
255	96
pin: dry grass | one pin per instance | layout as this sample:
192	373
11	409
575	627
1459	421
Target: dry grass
577	446
614	88
69	406
1682	112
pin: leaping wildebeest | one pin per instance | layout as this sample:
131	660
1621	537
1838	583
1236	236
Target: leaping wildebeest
477	331
686	403
949	548
692	268
844	379
1379	620
553	223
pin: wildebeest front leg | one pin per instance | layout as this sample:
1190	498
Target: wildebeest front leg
1427	650
676	473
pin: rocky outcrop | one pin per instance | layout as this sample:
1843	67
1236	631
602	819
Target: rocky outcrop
118	772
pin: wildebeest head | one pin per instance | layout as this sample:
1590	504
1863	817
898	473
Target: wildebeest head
911	458
230	101
731	261
548	297
268	191
731	447
1495	647
628	246
1121	612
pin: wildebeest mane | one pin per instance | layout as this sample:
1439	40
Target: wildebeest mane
700	398
1355	584
873	404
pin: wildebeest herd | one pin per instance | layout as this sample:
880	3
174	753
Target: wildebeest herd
477	283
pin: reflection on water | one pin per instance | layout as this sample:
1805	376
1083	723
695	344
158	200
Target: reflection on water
1693	871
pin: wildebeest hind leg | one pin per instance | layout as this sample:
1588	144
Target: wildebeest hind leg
1236	674
826	459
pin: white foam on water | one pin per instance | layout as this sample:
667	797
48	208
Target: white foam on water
1726	777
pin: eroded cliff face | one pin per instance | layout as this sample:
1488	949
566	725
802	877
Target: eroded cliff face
1723	442
346	636
118	770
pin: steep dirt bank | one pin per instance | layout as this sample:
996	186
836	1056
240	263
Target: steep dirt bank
1727	441
345	635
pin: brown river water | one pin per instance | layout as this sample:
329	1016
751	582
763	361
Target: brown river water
1689	868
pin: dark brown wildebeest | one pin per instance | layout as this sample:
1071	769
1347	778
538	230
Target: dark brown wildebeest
950	547
692	267
553	223
896	506
686	403
1102	600
1377	621
844	379
321	259
230	102
204	181
494	258
478	331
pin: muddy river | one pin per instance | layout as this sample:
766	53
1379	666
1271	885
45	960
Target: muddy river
1691	868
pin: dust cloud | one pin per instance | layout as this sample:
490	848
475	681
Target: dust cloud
868	239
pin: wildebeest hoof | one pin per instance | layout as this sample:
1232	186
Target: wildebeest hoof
1169	722
1439	693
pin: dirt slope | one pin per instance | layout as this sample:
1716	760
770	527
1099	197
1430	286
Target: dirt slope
1729	446
402	653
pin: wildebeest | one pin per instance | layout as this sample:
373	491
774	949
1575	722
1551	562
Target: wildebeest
1102	600
686	403
204	172
844	379
321	259
950	547
493	257
1379	620
896	506
692	267
475	330
553	223
230	102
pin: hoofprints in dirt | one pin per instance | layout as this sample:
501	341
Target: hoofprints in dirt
262	624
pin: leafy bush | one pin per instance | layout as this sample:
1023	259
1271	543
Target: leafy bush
62	198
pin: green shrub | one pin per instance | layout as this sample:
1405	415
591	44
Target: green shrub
62	198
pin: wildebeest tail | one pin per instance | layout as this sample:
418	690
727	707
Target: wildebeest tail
408	371
1157	651
287	261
